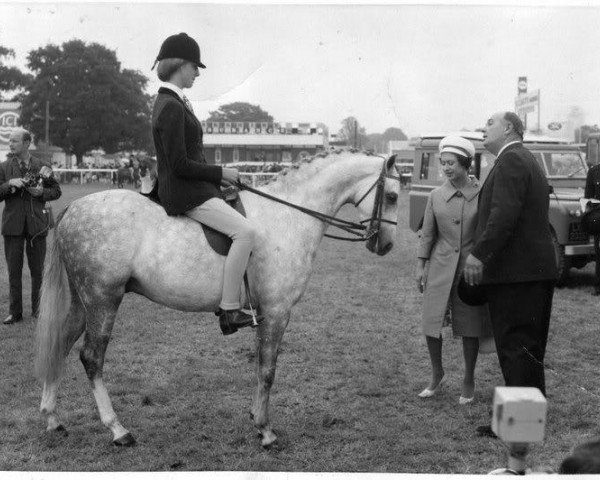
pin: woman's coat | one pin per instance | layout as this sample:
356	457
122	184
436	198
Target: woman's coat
446	241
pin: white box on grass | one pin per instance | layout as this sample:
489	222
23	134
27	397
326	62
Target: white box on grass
519	414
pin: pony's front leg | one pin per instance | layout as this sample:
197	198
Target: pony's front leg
270	333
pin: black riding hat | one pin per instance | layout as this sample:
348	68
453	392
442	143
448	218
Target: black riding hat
180	46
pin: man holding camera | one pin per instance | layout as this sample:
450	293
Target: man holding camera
26	184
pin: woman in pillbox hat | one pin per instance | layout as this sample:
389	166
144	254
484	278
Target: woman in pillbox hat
446	241
186	184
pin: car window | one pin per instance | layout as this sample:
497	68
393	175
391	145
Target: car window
539	160
475	169
565	164
425	158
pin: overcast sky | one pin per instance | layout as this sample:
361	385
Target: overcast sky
419	68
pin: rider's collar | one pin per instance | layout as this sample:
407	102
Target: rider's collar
175	88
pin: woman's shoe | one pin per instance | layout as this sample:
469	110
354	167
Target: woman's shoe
465	400
429	392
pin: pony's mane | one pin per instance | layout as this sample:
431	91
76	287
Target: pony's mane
309	166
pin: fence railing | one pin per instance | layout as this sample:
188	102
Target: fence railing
85	175
109	175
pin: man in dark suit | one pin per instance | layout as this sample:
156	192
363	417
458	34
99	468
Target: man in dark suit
26	219
592	190
513	254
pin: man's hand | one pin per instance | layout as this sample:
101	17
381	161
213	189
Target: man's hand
36	191
473	271
16	182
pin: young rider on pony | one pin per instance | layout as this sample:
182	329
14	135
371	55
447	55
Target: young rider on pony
186	183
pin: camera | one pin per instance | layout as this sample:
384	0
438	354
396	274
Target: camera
32	179
519	419
519	414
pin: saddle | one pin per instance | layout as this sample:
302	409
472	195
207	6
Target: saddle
218	241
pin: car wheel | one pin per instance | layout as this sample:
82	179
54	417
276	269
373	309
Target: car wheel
562	261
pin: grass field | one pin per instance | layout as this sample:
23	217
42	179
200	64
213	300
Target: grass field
344	399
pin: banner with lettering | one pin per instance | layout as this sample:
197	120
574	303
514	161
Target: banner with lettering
9	114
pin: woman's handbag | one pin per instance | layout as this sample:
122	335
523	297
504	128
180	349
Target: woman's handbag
590	221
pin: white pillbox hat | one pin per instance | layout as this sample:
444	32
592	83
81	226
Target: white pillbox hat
457	145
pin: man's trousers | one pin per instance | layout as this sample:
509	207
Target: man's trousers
520	315
14	248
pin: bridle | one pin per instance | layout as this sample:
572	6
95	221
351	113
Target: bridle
376	220
363	233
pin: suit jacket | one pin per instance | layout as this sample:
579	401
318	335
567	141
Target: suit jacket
592	183
513	238
23	213
185	180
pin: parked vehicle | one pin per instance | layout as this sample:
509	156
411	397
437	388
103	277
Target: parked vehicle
592	149
565	170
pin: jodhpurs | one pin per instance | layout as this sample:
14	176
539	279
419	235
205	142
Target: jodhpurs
216	214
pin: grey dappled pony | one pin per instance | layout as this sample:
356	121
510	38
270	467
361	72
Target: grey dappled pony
113	242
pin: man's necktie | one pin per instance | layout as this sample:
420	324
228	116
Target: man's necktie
188	104
23	168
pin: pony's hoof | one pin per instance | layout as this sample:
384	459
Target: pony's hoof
126	440
59	431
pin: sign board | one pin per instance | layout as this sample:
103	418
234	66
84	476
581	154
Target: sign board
9	115
527	103
554	126
522	85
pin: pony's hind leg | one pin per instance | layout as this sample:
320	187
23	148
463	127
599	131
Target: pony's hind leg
270	333
100	320
75	325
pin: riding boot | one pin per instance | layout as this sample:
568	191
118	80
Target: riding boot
231	320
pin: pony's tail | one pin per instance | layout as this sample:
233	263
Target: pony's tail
55	302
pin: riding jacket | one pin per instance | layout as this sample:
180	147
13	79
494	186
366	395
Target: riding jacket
185	180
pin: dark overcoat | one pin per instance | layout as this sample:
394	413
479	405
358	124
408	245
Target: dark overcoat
513	238
185	180
24	213
592	183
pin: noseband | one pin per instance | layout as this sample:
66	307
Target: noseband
363	233
375	221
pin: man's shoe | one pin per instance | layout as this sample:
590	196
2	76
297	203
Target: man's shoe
231	320
12	319
486	431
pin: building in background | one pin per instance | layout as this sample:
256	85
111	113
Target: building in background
231	142
403	149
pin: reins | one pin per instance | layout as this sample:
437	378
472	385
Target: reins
358	229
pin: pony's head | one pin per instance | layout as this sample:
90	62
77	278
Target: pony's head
380	207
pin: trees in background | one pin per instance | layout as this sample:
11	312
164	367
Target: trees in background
239	112
12	80
93	102
352	133
356	136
